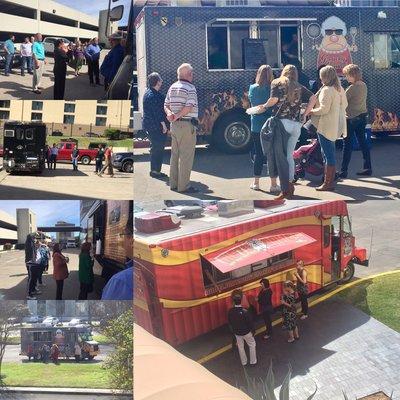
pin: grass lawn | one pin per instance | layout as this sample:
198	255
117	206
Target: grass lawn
83	142
378	297
66	374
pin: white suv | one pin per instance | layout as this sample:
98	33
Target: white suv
49	42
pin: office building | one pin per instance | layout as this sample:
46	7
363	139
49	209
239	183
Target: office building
62	237
8	229
26	222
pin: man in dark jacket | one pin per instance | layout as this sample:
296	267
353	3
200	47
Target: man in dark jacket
32	266
241	325
61	59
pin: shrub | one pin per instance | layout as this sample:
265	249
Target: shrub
112	134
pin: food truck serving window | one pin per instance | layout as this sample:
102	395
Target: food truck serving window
29	134
42	336
385	50
9	133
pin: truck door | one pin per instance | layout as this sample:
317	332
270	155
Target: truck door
336	247
19	145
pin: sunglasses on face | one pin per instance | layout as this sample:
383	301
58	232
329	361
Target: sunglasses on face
330	32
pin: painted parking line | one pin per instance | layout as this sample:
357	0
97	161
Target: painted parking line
318	300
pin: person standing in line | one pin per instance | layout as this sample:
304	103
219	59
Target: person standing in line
61	59
9	48
181	107
45	353
302	287
266	307
32	266
47	152
259	93
53	156
288	302
79	57
329	118
155	123
78	352
75	157
99	159
356	115
241	325
44	262
86	276
39	61
60	270
108	164
92	54
55	353
26	57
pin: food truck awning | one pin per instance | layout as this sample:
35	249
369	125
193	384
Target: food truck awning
256	250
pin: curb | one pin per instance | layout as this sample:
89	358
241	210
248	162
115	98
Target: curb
55	390
324	297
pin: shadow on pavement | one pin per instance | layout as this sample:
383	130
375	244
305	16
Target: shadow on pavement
16	193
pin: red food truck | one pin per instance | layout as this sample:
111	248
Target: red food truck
186	271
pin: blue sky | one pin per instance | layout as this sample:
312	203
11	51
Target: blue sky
47	212
93	7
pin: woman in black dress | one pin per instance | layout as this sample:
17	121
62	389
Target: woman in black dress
288	302
266	308
61	59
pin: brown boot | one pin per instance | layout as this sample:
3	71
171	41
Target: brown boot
329	181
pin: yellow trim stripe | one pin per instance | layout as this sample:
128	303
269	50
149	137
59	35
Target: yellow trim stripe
313	276
143	251
313	303
141	304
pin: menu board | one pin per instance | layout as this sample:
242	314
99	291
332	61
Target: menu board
254	53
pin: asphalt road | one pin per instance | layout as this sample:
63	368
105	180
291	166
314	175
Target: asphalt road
15	86
66	184
13	278
219	175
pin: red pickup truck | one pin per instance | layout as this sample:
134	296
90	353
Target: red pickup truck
65	151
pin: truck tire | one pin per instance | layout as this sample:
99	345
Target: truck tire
90	358
85	160
348	273
127	166
232	134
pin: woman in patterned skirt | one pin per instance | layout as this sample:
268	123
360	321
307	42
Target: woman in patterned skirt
288	301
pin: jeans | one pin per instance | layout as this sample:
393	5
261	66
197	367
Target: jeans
294	130
53	161
328	150
157	150
26	63
9	63
356	127
259	157
75	163
251	342
33	274
99	165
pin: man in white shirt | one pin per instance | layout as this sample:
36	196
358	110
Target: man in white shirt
26	57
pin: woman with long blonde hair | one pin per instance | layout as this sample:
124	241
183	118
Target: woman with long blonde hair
259	93
329	118
287	96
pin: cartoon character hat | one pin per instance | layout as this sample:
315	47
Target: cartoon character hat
333	23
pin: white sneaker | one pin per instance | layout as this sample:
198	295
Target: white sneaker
37	292
275	189
42	285
304	317
266	337
254	187
31	298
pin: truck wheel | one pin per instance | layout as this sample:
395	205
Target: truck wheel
348	273
127	166
85	160
232	134
90	357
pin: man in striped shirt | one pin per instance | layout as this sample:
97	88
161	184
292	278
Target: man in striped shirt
181	107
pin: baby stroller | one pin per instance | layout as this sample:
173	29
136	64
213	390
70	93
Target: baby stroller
308	162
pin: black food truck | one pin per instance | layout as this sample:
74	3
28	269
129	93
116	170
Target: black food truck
226	46
24	146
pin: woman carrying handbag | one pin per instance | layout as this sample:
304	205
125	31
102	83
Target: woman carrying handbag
60	269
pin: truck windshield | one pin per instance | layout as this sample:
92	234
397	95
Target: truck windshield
85	337
346	224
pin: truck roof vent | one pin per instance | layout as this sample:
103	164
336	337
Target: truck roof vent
153	222
188	212
233	208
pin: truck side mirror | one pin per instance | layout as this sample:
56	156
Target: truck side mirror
116	13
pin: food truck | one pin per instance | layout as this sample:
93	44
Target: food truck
24	146
65	337
186	268
226	46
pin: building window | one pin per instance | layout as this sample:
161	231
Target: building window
101	110
100	121
5	103
36	116
5	115
131	124
237	2
385	50
37	105
69	107
69	119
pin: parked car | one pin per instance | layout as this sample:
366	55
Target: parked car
74	322
50	321
92	134
65	151
16	61
71	244
57	133
33	319
95	145
123	161
49	42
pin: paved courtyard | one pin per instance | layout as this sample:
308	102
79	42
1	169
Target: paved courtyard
340	349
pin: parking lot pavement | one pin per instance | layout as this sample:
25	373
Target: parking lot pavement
16	87
14	277
66	184
219	175
340	349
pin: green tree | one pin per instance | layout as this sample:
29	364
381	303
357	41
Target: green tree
120	362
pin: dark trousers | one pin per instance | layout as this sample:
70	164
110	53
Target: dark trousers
259	158
40	274
304	303
84	291
268	322
158	140
93	70
60	287
53	161
59	86
99	165
33	274
356	128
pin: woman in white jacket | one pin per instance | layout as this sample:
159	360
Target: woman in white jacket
328	115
